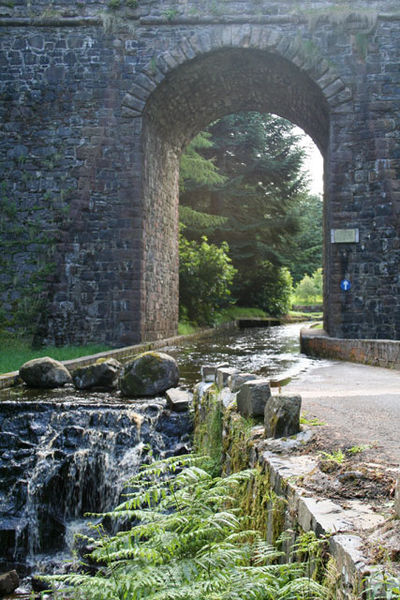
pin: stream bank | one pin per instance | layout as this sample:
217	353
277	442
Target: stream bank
65	452
301	487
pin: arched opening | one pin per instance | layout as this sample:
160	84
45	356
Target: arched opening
189	98
245	182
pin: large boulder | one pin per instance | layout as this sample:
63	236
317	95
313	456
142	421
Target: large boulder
8	582
102	375
252	397
282	416
44	373
149	374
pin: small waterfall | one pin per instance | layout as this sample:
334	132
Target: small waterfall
62	458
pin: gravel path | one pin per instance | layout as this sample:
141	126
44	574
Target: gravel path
358	404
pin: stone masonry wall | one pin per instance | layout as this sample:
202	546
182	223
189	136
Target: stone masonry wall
377	353
97	101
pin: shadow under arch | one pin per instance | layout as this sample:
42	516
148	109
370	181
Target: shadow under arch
188	98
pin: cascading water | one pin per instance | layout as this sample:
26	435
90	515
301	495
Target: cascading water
63	458
64	453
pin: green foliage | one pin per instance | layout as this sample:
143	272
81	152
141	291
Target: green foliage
382	586
195	169
232	313
114	4
313	421
170	14
199	221
241	182
186	328
336	456
309	289
267	287
304	248
205	278
358	448
188	541
208	429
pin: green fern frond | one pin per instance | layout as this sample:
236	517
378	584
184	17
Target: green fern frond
187	541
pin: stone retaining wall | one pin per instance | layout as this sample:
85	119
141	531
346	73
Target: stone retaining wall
280	500
377	353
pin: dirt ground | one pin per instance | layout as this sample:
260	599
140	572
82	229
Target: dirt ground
354	414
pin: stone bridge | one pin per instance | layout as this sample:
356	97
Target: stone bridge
98	99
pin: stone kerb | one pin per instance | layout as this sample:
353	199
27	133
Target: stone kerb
258	37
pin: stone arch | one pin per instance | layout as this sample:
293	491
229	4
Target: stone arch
304	55
181	92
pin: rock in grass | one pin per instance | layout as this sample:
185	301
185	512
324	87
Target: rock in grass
102	375
44	373
149	374
282	416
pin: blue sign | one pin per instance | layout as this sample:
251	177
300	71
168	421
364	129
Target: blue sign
345	285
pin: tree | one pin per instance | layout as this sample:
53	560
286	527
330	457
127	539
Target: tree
198	173
304	250
309	289
205	279
268	287
260	163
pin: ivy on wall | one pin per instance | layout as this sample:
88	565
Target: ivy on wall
30	222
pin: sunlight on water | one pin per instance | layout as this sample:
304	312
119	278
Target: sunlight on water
269	352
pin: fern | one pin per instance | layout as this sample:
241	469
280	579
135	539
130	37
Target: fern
187	541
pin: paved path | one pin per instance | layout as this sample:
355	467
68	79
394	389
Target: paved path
359	404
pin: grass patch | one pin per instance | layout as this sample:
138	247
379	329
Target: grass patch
310	316
312	421
15	351
186	328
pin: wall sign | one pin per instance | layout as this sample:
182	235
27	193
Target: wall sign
345	236
345	285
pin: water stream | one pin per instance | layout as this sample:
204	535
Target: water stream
64	453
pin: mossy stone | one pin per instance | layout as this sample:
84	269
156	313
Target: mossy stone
149	374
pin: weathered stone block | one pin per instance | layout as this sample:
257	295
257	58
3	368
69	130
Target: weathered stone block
178	400
282	416
223	374
208	372
236	380
252	397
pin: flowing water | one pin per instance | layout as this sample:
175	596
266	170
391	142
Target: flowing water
64	453
268	352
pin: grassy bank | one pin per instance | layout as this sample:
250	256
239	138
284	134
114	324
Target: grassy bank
15	351
224	316
240	312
